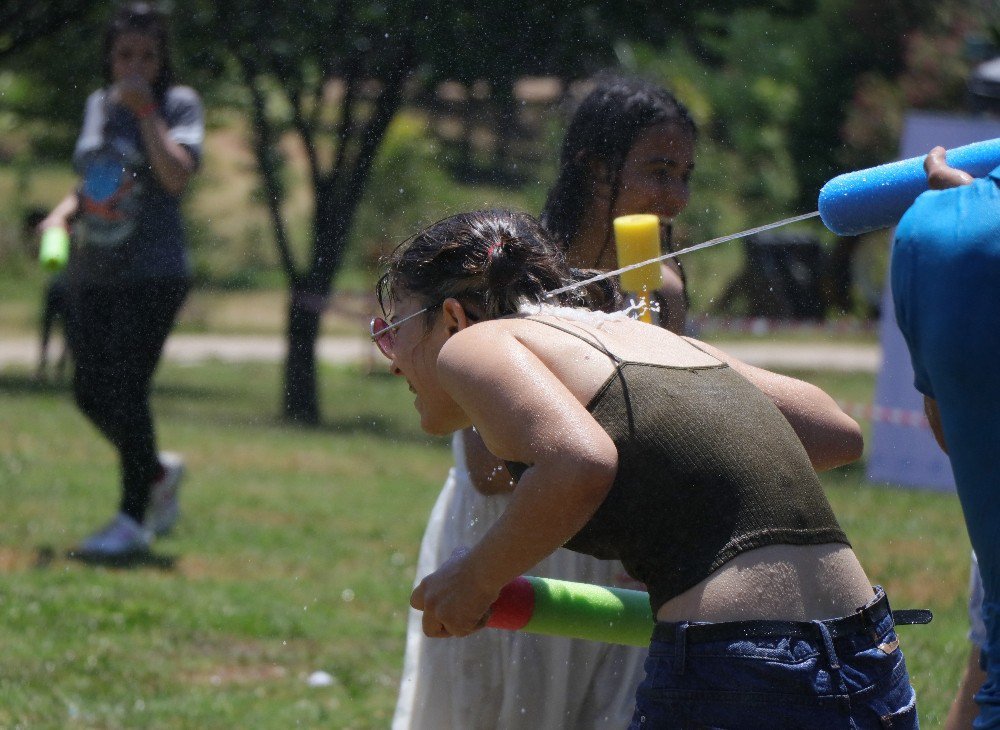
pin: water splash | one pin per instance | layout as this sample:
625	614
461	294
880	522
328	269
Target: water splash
638	306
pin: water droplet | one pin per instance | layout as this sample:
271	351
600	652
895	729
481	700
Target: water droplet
319	678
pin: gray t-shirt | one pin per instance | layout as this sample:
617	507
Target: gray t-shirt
130	228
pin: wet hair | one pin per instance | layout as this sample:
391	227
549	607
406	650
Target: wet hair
604	128
493	261
145	19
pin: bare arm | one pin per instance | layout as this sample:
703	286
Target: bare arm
524	413
172	164
673	307
934	418
831	437
964	709
62	213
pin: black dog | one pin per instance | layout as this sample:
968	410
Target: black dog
54	308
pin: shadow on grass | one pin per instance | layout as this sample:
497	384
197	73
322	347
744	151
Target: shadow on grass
130	561
26	383
223	407
372	425
357	424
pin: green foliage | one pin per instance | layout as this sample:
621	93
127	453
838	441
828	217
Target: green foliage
744	111
23	23
411	188
786	96
784	103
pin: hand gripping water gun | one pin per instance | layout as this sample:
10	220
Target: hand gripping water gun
866	200
54	249
577	610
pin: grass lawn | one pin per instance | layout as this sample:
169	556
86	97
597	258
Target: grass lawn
295	553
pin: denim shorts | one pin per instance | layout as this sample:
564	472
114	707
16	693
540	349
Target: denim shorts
839	673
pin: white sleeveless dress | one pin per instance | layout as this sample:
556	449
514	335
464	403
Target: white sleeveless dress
507	680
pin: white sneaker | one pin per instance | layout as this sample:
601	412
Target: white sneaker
164	504
120	538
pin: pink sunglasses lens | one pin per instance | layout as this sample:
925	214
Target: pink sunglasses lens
383	336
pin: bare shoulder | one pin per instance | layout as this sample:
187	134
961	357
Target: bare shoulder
482	333
709	349
482	344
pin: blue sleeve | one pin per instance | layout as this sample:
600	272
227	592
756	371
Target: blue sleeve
905	292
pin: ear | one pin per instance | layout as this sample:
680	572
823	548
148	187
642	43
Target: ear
454	315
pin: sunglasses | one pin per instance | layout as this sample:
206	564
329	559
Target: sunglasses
384	332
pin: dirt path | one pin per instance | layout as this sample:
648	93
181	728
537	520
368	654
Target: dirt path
192	348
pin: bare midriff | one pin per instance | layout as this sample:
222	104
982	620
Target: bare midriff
778	582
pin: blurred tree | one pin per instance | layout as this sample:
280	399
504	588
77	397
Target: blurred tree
25	22
332	75
802	98
933	74
843	40
335	73
49	55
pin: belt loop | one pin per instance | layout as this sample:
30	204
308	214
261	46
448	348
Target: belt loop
883	596
680	648
844	699
831	650
870	623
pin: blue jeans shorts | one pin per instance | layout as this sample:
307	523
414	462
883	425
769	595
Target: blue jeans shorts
839	673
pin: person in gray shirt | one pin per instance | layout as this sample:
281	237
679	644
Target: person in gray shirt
128	270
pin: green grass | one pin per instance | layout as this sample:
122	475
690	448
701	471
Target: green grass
296	553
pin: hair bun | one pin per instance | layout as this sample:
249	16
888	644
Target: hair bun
494	260
506	258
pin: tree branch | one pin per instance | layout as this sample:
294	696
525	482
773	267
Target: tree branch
306	130
26	22
262	139
386	105
345	126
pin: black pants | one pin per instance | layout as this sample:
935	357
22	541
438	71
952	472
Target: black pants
116	334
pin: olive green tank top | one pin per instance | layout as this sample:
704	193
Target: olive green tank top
708	468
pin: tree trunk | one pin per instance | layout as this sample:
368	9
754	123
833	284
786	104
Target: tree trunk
309	299
301	398
336	197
